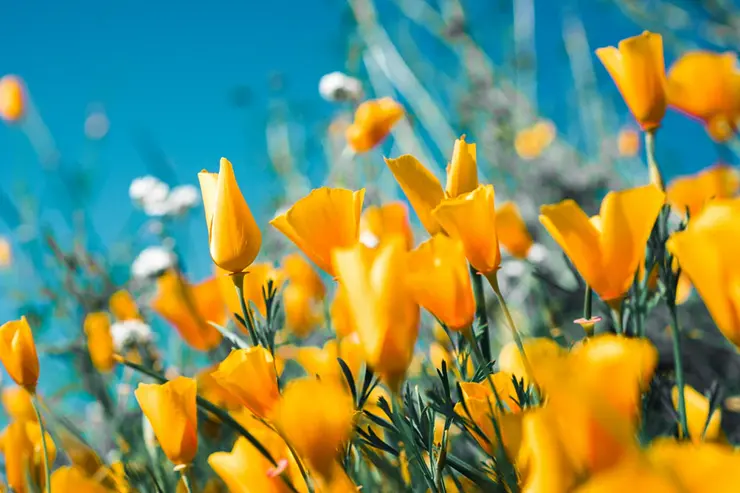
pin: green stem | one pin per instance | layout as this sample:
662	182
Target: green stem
47	466
656	176
185	475
238	279
678	361
588	299
512	326
481	314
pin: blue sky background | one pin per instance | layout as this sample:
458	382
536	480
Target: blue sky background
166	69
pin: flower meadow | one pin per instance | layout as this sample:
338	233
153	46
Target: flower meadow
379	350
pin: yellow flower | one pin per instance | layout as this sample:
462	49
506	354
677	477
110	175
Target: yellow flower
211	390
255	286
628	142
694	192
374	120
12	98
638	70
317	417
440	281
697	415
23	451
542	461
70	479
377	223
530	142
423	189
171	410
18	353
189	308
462	171
299	271
341	313
536	349
324	220
302	313
322	362
706	86
471	218
99	340
234	238
512	232
17	403
123	306
606	250
382	305
482	407
706	252
250	376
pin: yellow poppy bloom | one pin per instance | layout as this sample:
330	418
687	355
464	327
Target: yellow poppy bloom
324	220
18	353
382	305
536	349
12	98
440	281
462	170
189	308
99	340
423	189
706	253
322	362
23	451
697	414
317	417
628	142
341	313
17	403
471	219
250	375
172	412
693	192
512	232
638	69
483	407
234	238
210	389
377	223
606	250
123	306
374	120
70	479
299	271
706	86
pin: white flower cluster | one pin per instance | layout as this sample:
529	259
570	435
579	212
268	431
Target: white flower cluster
130	332
338	87
157	200
151	262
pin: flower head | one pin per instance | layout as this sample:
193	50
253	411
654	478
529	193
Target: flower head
171	411
250	376
512	231
379	222
324	220
99	340
18	353
233	236
720	181
638	70
374	120
12	98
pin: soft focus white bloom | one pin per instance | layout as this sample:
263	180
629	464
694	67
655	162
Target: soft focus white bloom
538	253
181	199
513	268
128	332
337	86
152	261
96	125
147	186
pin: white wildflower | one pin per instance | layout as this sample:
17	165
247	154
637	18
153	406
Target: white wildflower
538	253
181	199
337	86
151	262
129	332
147	187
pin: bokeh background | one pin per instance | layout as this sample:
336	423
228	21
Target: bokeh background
120	90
